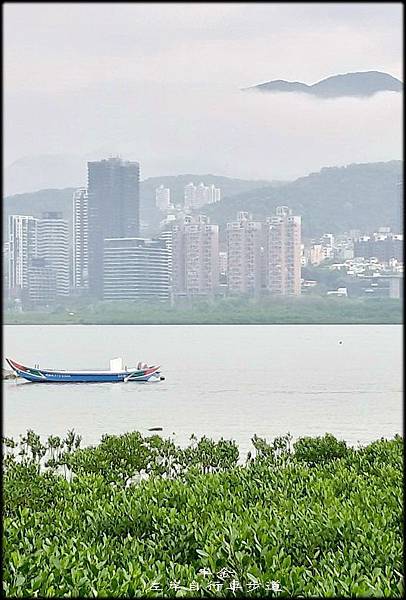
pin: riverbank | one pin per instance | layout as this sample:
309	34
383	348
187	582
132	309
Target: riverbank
227	311
318	519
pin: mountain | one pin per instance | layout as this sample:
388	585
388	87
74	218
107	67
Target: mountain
336	199
362	84
44	172
229	188
35	203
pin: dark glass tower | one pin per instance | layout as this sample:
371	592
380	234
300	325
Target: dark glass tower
113	210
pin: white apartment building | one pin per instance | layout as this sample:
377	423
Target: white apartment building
31	239
22	248
189	195
53	247
163	197
197	196
214	194
80	268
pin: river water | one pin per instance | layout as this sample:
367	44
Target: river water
221	380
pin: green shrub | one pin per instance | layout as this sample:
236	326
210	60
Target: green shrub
139	516
320	450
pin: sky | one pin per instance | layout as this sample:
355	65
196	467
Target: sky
161	84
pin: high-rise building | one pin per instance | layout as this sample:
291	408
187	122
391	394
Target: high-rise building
189	195
113	210
53	247
201	196
136	269
195	255
214	194
244	242
31	239
22	248
163	197
80	268
283	253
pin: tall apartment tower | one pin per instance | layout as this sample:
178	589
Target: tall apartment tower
22	248
162	197
195	256
244	242
113	210
282	253
53	248
80	266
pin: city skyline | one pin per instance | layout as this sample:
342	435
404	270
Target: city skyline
187	257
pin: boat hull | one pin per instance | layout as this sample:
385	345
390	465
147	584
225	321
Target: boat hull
50	376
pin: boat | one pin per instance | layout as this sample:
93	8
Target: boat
116	373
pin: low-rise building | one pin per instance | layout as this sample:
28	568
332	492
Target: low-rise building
42	283
136	269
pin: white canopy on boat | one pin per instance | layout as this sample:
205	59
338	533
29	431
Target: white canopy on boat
116	364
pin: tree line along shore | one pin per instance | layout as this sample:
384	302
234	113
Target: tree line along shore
306	310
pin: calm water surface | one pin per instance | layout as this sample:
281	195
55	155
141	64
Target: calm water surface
221	380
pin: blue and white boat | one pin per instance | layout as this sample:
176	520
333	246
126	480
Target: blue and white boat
116	373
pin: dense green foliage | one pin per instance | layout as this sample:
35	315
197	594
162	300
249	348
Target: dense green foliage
139	516
337	199
228	310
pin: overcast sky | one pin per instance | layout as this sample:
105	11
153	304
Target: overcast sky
160	83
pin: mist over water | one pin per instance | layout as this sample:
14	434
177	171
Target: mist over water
173	129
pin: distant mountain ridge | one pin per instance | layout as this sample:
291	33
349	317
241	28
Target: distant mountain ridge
360	84
335	199
45	171
54	199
